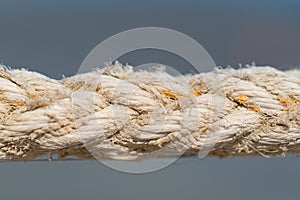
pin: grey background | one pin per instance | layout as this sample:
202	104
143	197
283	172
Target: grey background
53	37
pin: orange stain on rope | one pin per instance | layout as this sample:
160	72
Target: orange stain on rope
255	108
241	99
284	101
196	93
290	105
244	100
17	103
169	94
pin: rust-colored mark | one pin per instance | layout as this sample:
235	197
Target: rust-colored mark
290	105
241	99
169	94
20	103
17	103
196	93
244	101
255	108
284	101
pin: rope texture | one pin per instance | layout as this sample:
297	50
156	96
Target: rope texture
116	113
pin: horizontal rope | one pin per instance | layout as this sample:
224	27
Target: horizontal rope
117	113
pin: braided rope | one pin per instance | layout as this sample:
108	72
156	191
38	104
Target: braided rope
125	115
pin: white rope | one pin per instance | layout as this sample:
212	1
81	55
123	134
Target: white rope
120	114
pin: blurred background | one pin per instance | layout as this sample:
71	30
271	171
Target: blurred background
53	38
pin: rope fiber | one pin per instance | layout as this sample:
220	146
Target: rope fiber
117	113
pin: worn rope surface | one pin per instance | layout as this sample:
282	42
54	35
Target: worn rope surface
121	114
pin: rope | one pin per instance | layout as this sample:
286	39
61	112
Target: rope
117	113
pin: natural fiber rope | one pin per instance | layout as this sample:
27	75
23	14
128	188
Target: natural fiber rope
121	114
